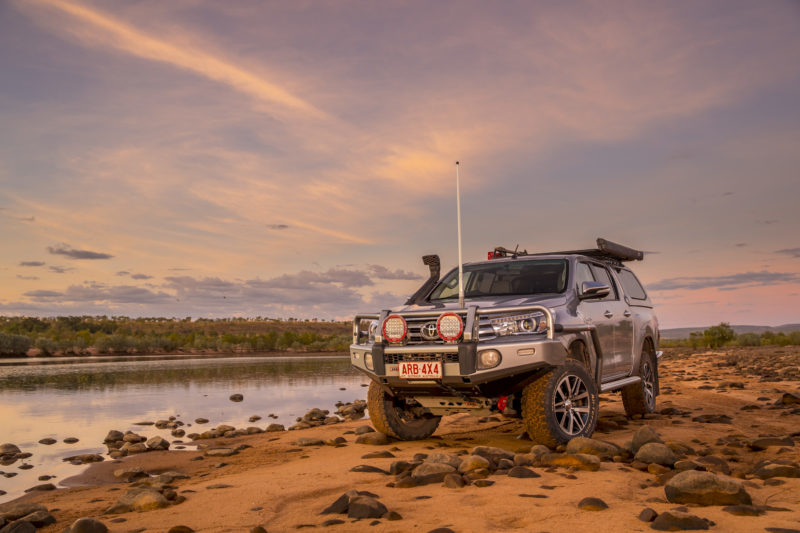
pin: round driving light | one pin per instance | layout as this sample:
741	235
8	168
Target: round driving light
488	359
449	326
394	328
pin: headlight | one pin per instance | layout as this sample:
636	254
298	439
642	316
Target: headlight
368	361
394	329
519	324
488	359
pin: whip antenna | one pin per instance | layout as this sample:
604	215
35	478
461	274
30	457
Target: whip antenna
460	262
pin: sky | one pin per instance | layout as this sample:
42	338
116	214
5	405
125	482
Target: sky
295	159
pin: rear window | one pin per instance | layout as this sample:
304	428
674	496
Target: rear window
503	278
631	285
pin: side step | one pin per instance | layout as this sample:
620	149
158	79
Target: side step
613	385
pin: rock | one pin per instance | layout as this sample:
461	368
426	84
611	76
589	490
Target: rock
715	464
772	470
481	483
220	452
431	473
678	521
368	469
580	461
592	504
398	467
48	441
131	448
361	430
539	449
374	439
392	516
493	454
602	449
133	438
9	450
42	487
201	420
472	462
84	458
453	481
766	442
686	464
157	443
71	440
139	499
15	512
444	458
236	397
20	526
341	504
705	488
644	435
87	525
180	529
647	515
39	519
522	472
254	418
130	473
113	436
332	522
378	455
258	529
365	507
789	399
275	427
655	452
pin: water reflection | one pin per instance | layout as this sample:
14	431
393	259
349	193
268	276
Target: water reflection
86	399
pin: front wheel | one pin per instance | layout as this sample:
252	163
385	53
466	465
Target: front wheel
640	398
560	405
398	418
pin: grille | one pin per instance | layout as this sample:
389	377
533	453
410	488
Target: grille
394	358
415	325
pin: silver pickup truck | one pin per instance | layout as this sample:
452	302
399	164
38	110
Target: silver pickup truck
539	335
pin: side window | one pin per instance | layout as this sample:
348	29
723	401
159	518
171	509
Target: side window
602	275
582	273
631	285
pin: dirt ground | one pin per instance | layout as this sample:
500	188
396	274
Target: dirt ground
281	486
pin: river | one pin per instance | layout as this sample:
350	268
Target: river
85	397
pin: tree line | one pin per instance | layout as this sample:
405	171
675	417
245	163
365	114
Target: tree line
723	335
82	335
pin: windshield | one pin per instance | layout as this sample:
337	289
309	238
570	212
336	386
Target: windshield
504	278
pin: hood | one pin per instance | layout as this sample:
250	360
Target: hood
547	300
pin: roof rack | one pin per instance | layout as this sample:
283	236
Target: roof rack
606	250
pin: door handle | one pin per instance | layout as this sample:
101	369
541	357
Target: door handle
627	313
608	314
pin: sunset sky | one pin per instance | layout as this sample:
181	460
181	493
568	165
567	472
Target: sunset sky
295	159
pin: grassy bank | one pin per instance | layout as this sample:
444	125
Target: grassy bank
106	335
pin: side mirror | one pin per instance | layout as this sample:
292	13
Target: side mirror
594	289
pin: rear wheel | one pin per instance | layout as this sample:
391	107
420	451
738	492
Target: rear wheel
560	405
399	418
640	398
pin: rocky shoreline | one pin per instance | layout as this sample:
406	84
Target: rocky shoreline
721	453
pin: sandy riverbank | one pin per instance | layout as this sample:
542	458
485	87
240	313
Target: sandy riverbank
281	486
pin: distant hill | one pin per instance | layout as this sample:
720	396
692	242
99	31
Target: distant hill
683	333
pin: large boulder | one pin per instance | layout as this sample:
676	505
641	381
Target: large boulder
472	462
157	443
444	458
493	454
705	488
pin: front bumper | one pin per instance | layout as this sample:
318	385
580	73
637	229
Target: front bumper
520	360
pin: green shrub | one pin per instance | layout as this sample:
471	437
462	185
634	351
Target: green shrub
14	344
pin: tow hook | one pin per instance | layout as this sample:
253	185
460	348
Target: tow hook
502	403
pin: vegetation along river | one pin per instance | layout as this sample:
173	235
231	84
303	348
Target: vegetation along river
85	397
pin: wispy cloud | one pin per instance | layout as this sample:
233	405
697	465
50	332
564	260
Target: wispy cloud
19	276
72	253
59	269
102	29
794	252
278	226
730	282
31	263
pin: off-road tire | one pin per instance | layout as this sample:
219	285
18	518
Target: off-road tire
543	420
391	418
640	398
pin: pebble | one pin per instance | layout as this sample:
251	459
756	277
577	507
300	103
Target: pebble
236	397
522	472
87	525
374	439
678	521
647	515
201	420
71	440
383	454
48	441
180	529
